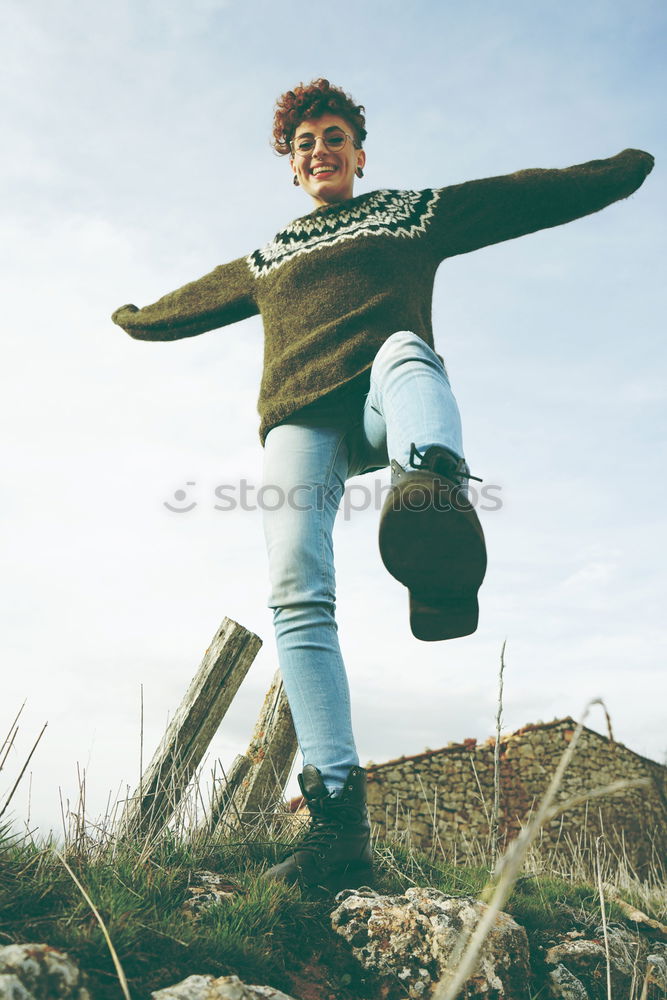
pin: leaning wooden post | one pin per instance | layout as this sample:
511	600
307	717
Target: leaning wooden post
257	780
225	664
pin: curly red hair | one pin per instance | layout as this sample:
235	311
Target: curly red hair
312	101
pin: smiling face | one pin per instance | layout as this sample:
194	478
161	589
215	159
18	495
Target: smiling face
326	175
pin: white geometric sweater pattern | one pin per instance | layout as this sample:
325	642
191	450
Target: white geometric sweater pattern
381	213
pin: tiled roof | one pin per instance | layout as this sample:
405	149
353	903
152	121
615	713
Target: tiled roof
471	744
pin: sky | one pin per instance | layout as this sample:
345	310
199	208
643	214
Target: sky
137	158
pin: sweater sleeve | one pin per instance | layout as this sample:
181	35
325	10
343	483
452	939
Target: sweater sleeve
225	295
480	213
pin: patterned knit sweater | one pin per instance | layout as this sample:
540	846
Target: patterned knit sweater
335	284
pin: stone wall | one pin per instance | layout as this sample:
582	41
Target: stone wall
443	799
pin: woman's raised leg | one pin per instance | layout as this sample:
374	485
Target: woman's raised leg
430	536
410	400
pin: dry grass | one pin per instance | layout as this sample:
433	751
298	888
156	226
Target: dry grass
103	844
465	955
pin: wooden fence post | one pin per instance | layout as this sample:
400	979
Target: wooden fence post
257	780
223	667
222	800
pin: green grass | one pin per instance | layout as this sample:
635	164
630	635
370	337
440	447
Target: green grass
267	934
538	902
551	904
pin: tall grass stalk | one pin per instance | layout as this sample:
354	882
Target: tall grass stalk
496	764
116	961
23	770
499	888
603	911
647	976
10	737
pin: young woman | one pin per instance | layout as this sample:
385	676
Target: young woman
351	384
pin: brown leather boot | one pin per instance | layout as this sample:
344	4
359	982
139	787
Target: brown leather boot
335	852
432	542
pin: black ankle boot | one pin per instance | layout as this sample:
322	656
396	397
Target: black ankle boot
432	542
335	853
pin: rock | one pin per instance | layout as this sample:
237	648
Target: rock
585	959
629	962
411	938
207	888
564	986
39	972
224	988
11	988
656	964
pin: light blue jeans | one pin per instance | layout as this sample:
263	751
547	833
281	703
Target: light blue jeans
307	460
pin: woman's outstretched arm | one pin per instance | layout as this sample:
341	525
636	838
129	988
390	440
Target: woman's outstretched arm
479	213
224	296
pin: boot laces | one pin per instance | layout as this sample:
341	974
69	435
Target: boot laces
326	825
459	472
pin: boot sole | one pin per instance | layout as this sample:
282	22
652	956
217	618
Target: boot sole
430	545
351	877
435	548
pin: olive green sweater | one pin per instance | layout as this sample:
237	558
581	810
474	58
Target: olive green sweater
335	284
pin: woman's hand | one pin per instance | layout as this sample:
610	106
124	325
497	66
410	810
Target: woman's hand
117	316
640	157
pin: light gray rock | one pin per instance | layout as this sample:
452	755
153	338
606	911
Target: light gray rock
411	937
39	972
564	986
11	988
585	959
223	988
627	951
192	988
206	889
657	966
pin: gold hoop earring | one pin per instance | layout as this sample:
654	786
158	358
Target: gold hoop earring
295	181
359	172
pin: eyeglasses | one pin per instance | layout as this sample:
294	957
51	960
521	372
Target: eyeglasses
334	141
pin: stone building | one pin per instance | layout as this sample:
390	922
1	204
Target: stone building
442	800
